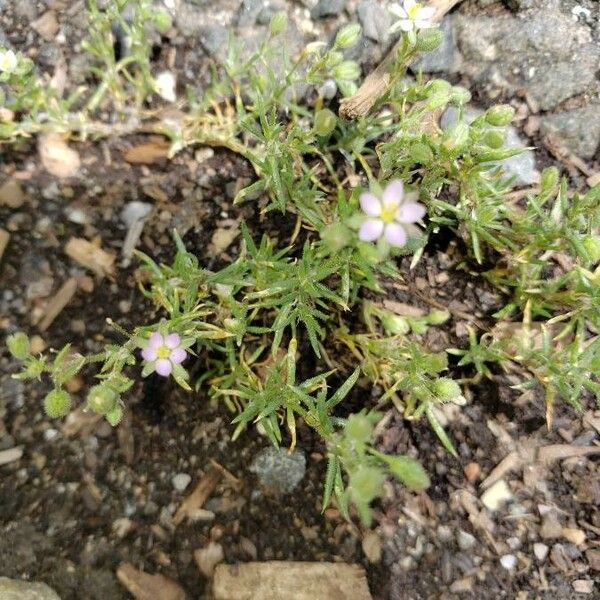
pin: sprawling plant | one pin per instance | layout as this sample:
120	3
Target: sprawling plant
249	321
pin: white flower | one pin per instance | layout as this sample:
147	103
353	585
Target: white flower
412	16
165	86
391	216
8	61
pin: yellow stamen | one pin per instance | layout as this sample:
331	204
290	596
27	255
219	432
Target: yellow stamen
388	212
163	352
413	11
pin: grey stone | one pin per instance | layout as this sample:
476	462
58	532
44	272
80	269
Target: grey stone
328	8
279	471
520	167
547	53
214	38
26	9
465	540
551	527
447	58
248	12
14	589
267	13
180	481
578	129
375	21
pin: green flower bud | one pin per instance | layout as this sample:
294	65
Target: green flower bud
500	115
102	399
347	70
409	471
336	237
325	122
418	325
394	324
334	58
591	243
446	389
278	23
365	484
438	86
359	428
234	326
162	21
115	415
494	138
18	345
437	316
460	95
421	153
57	403
428	40
456	137
348	36
549	180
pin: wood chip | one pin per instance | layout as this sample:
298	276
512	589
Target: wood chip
91	256
10	455
143	586
148	153
199	496
404	310
511	462
221	240
59	301
57	157
286	580
550	454
4	239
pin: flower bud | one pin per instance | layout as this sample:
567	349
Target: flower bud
115	415
101	399
460	95
395	324
421	153
591	243
348	36
456	137
438	86
336	237
500	115
493	138
57	403
162	21
446	388
549	180
329	89
325	122
18	345
409	471
428	40
365	484
234	326
348	70
438	316
278	23
359	428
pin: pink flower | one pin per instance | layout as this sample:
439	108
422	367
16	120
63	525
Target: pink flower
391	216
164	352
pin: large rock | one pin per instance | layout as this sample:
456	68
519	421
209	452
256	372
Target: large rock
545	52
578	129
286	580
15	589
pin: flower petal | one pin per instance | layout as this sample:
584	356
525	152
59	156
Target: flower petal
370	204
426	12
409	5
149	354
424	24
178	356
410	212
395	234
163	367
405	25
397	10
156	340
393	193
172	341
370	230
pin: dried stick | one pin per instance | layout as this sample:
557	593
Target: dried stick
377	82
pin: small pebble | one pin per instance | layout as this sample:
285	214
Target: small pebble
583	586
541	551
181	481
465	540
495	496
573	535
50	434
508	561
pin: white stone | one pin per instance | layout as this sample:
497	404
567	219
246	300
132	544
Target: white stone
495	496
181	481
541	551
508	561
